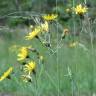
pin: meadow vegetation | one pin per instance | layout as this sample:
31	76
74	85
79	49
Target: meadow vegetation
48	48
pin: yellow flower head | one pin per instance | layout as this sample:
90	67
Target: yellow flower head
34	33
74	44
30	67
45	26
6	74
23	53
50	17
26	78
80	9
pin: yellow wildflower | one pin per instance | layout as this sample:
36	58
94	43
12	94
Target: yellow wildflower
23	53
80	9
45	26
6	74
50	17
74	44
33	34
30	67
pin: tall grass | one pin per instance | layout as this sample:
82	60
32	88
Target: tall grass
66	71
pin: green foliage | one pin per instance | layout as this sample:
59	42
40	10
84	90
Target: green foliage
53	76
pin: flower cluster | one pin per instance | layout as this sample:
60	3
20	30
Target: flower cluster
80	10
28	65
24	56
37	30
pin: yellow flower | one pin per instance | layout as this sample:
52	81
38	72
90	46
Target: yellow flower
30	67
6	74
23	53
50	17
26	78
74	44
33	34
45	26
37	30
80	9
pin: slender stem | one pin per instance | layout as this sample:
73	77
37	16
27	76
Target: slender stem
57	60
